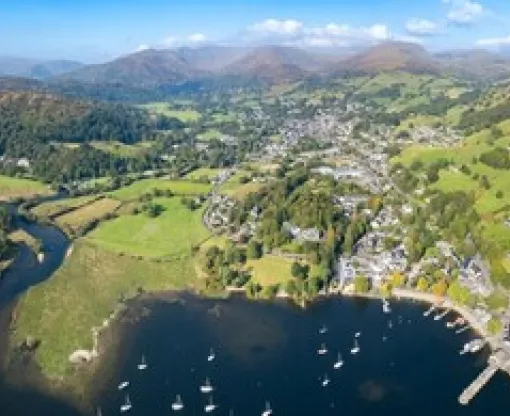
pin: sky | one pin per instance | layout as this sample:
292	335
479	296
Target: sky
100	30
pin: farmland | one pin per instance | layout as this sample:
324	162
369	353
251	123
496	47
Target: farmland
21	188
55	208
186	116
179	187
173	233
78	220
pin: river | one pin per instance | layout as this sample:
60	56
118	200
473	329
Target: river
265	351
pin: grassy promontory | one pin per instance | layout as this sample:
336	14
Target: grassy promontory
121	257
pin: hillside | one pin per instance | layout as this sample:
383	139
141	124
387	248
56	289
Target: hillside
393	56
145	68
36	69
475	63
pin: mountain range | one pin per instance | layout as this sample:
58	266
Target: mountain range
268	64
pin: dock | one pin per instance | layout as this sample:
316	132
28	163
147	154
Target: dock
498	361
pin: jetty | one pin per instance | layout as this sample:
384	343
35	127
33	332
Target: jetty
500	360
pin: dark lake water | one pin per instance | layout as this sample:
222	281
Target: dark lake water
268	352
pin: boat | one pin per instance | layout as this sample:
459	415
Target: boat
210	407
126	407
268	411
357	334
211	355
323	330
390	324
450	325
386	306
325	381
465	349
123	385
476	345
207	387
178	404
143	364
339	362
322	350
355	349
429	311
99	412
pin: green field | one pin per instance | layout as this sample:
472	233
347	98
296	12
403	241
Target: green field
186	116
87	289
18	187
209	134
144	186
203	172
53	208
173	233
121	149
75	221
270	270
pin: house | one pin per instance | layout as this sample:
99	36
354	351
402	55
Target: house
23	163
310	234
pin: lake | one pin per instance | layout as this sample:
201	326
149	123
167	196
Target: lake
267	351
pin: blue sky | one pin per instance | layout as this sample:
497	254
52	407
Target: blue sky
97	30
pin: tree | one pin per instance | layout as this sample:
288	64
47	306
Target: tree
439	289
361	284
397	279
494	326
254	250
422	284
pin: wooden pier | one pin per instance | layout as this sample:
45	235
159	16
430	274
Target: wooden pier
497	361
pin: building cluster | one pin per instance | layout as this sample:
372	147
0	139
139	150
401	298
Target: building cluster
299	234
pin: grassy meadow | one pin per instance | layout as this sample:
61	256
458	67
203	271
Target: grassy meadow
54	208
21	188
186	116
87	289
173	233
144	186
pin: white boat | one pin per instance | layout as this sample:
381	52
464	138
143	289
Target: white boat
465	349
322	350
386	306
99	412
123	385
355	349
211	355
390	324
323	330
268	411
210	407
178	404
126	407
207	387
429	311
325	381
357	334
143	364
339	362
476	345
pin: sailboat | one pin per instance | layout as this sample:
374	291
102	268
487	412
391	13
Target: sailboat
211	355
323	330
123	385
143	364
386	306
325	381
268	411
207	387
357	334
178	404
339	362
355	349
322	350
210	407
126	407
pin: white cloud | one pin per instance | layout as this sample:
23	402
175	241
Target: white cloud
494	42
274	26
142	48
422	27
197	38
170	41
464	12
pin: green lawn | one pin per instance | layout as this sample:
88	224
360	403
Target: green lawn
18	187
121	149
270	270
180	187
186	116
209	134
53	208
80	295
173	233
203	172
